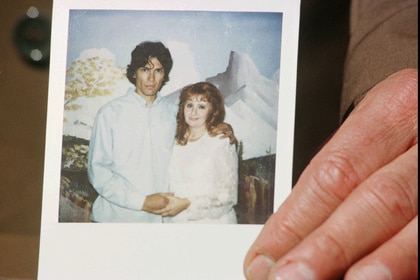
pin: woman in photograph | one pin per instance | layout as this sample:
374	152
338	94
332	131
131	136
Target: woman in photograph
203	170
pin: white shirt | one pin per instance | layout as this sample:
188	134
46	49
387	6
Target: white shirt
206	172
129	152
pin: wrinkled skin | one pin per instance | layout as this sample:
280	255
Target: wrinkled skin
354	211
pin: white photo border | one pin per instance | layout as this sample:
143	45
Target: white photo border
155	251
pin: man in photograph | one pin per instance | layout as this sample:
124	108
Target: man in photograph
132	141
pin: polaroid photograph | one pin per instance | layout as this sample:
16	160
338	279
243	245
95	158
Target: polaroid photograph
169	135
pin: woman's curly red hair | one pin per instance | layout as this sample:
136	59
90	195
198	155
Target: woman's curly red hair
208	92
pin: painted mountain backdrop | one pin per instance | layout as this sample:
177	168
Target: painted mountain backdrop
251	99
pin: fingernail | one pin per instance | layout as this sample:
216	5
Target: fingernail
295	271
259	268
376	271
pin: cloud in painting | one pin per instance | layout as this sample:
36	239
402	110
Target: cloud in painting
184	70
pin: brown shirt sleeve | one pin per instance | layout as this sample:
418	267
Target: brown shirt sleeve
383	40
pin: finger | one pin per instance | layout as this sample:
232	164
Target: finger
385	120
167	194
163	212
375	212
396	259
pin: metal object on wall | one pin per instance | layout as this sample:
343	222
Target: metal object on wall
32	37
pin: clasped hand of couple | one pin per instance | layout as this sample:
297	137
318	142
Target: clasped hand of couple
165	204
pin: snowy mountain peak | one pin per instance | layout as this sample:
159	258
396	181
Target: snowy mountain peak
241	66
240	70
251	104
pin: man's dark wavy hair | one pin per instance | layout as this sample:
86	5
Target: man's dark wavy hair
142	54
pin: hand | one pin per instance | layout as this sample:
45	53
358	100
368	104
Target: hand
224	130
354	210
175	206
155	202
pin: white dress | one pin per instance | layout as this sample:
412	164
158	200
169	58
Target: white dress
206	172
